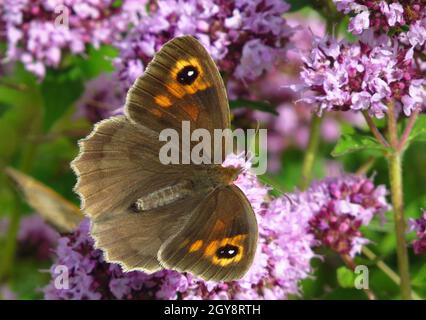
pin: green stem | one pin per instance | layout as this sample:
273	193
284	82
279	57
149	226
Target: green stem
312	148
386	269
366	167
395	178
9	248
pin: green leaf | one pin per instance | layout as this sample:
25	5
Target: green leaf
419	130
60	90
16	121
117	3
62	87
28	278
349	143
296	5
256	105
345	277
419	280
97	61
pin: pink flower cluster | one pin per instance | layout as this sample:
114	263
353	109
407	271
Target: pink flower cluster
35	237
341	207
290	128
244	37
102	98
384	15
40	32
365	75
419	226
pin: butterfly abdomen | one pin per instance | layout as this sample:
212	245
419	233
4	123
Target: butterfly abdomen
163	196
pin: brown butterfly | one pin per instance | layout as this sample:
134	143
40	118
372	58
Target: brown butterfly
146	215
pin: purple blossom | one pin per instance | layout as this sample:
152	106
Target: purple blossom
102	98
238	34
416	36
340	206
6	293
394	13
416	96
35	237
38	35
290	128
360	22
381	15
365	75
419	226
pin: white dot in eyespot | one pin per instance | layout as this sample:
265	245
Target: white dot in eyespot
191	73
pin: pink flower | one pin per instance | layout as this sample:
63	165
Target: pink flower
364	75
37	37
244	37
342	206
393	12
360	22
419	226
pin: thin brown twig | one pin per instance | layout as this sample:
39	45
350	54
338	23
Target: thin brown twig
385	269
375	130
392	126
14	86
408	128
366	166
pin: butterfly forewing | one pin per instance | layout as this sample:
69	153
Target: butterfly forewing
182	83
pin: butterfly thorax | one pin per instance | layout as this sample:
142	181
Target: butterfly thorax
205	181
223	176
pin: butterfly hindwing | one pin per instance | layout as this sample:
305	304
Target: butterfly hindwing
219	240
181	83
134	239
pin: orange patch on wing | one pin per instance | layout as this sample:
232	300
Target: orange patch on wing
192	110
163	101
155	112
218	226
198	85
176	89
196	246
211	248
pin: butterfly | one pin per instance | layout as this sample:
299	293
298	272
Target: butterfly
148	216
